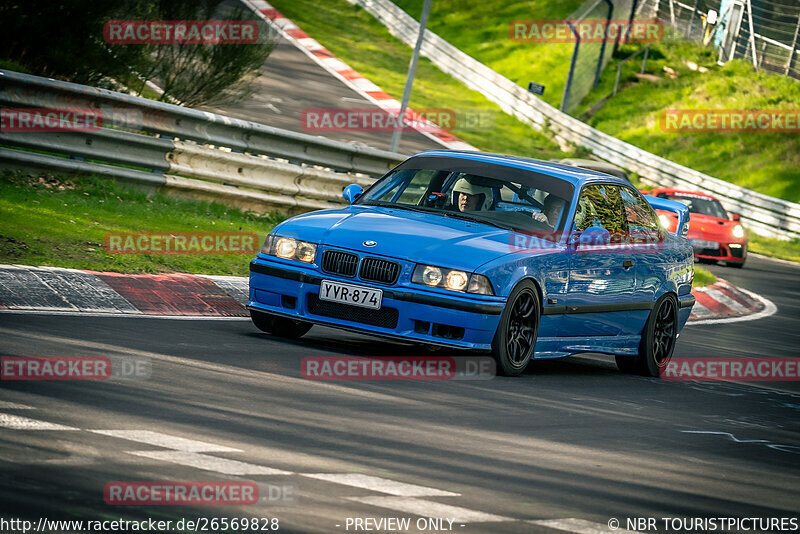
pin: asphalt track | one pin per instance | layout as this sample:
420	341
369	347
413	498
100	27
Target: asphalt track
570	440
290	82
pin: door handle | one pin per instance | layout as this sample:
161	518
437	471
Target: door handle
627	264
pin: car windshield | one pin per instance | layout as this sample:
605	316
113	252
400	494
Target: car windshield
702	205
514	204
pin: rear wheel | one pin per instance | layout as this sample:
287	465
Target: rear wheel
516	334
279	326
658	339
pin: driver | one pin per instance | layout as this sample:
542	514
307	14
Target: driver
470	197
551	211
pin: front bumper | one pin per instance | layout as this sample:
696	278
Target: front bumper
406	313
723	251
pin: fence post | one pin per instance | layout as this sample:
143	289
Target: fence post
691	19
794	46
603	44
752	35
568	85
644	61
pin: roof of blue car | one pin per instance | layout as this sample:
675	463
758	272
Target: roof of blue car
575	175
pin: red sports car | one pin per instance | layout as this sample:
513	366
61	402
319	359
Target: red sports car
715	234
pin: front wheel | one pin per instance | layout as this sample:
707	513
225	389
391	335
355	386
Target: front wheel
516	334
658	338
279	326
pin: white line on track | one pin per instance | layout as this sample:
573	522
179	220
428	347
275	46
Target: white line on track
579	526
776	260
425	508
210	463
16	422
165	440
5	405
128	315
381	485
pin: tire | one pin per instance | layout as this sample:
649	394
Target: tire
515	339
736	264
279	326
658	338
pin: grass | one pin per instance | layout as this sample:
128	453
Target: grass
775	248
702	277
765	162
383	59
62	223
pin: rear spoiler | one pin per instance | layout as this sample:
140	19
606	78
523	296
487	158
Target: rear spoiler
675	207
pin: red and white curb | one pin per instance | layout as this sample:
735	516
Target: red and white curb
722	302
73	291
339	69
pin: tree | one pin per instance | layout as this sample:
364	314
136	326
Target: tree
65	40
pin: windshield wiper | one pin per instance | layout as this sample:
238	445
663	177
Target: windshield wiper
383	204
471	218
443	213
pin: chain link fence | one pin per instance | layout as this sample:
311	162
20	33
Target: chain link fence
590	56
764	32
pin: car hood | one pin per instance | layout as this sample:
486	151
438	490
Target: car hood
708	227
403	234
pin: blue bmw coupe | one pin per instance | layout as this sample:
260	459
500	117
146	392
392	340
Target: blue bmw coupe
519	257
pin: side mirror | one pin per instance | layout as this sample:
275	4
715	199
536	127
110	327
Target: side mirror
352	192
736	217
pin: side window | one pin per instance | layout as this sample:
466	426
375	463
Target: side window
642	220
601	205
411	191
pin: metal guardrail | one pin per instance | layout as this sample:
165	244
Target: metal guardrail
172	146
764	215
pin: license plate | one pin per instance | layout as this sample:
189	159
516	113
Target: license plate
366	297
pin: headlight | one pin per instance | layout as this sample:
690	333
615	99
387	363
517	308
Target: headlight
738	231
451	279
289	249
664	220
456	280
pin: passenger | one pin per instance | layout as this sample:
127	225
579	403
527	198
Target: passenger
470	197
